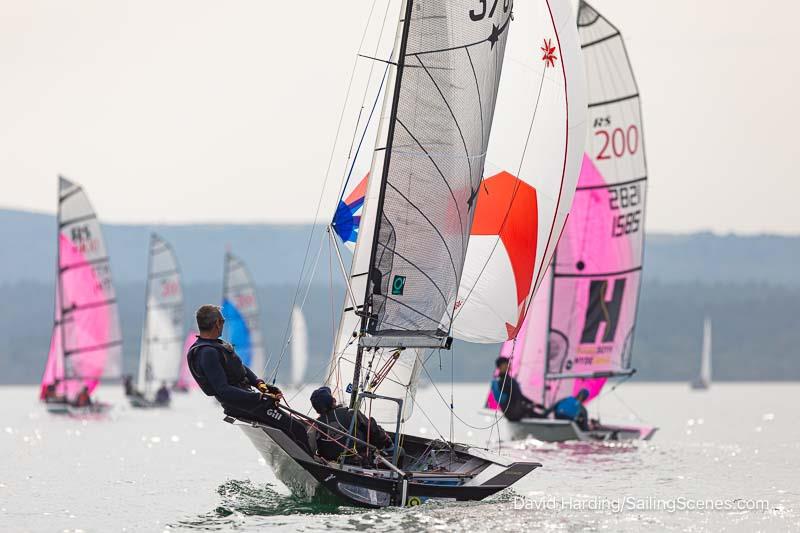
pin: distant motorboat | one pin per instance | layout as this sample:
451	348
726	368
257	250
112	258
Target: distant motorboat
703	380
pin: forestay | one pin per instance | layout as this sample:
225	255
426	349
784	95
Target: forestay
86	344
531	172
240	310
162	334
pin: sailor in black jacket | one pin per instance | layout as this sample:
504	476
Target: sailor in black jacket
330	444
220	373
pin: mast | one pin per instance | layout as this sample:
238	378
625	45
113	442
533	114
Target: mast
144	354
59	319
367	311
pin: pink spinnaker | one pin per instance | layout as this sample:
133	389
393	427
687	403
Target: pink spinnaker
185	379
86	342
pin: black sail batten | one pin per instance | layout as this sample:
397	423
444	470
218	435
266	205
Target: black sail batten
447	68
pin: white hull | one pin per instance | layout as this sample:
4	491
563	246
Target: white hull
548	430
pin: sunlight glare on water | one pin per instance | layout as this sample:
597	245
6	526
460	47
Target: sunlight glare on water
185	469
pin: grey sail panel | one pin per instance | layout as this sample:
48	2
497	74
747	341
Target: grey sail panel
448	71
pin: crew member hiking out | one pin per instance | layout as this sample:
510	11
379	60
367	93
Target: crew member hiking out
219	372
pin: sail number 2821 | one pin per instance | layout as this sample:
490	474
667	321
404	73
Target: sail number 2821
625	197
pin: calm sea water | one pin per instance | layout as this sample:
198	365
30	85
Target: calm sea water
184	469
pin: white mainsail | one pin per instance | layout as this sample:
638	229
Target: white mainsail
299	347
163	333
439	89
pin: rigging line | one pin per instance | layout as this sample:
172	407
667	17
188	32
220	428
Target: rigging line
432	382
364	133
435	428
288	335
325	181
326	369
342	183
452	194
510	203
439	233
444	298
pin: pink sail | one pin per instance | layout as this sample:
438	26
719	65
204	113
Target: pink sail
86	341
185	379
590	300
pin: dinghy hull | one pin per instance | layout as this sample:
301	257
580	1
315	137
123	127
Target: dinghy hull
478	474
548	430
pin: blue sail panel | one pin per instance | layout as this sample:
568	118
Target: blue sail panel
236	331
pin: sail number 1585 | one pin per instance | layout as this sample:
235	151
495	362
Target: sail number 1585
625	197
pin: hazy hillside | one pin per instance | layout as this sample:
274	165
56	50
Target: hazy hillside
755	330
274	252
747	285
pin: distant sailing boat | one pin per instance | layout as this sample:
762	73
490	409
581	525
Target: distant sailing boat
580	330
703	381
185	381
240	309
86	345
299	347
162	334
408	204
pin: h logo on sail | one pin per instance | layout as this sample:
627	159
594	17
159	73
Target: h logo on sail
602	311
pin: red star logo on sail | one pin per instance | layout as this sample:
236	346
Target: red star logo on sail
549	56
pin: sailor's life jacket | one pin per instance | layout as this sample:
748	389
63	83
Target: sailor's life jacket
234	369
330	444
568	408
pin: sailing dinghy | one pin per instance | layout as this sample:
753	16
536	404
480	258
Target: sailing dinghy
299	347
162	334
86	345
579	333
413	174
240	309
703	380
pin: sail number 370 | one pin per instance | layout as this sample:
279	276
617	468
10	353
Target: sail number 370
479	14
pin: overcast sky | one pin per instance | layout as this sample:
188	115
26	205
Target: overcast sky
193	110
